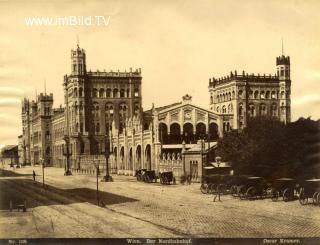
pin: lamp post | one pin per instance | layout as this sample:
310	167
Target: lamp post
96	164
67	153
42	163
218	161
107	177
24	147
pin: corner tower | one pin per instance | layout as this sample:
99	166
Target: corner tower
283	72
78	61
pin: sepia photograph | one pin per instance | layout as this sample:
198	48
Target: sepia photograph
160	122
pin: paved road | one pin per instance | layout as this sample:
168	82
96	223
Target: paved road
135	209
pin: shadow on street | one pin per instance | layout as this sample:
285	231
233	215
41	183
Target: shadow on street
19	190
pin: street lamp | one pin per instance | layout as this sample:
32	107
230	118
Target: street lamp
67	153
42	163
107	177
96	162
218	161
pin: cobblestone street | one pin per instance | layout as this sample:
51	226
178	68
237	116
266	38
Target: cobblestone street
136	209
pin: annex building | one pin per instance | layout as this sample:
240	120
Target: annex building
102	112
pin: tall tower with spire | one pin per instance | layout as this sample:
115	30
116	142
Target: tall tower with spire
283	72
78	61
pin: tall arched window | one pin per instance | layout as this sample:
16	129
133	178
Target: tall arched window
108	93
115	93
101	93
252	110
224	109
136	92
122	95
240	109
94	93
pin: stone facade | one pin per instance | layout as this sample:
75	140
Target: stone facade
245	95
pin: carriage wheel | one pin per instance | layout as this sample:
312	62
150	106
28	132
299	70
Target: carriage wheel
268	192
251	192
165	181
213	188
222	188
274	195
318	198
314	198
148	179
203	188
287	195
242	192
303	199
233	190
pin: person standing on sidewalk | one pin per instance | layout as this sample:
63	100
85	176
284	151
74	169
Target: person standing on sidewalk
217	194
34	175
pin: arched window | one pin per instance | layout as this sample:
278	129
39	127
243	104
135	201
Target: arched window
108	93
81	147
251	94
252	110
163	133
101	93
200	131
122	95
75	92
175	133
224	109
240	109
256	94
211	99
274	110
268	95
94	93
262	95
263	110
136	108
283	95
80	92
240	94
273	95
229	108
98	128
136	92
115	93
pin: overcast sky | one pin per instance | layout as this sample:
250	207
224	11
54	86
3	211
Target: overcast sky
178	45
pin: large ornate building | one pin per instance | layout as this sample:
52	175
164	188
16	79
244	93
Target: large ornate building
246	95
103	110
94	101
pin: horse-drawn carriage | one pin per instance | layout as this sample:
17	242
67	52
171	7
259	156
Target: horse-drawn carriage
139	174
283	187
166	178
252	187
310	189
209	183
145	175
217	182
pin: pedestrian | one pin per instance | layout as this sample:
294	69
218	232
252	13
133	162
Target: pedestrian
34	175
217	194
